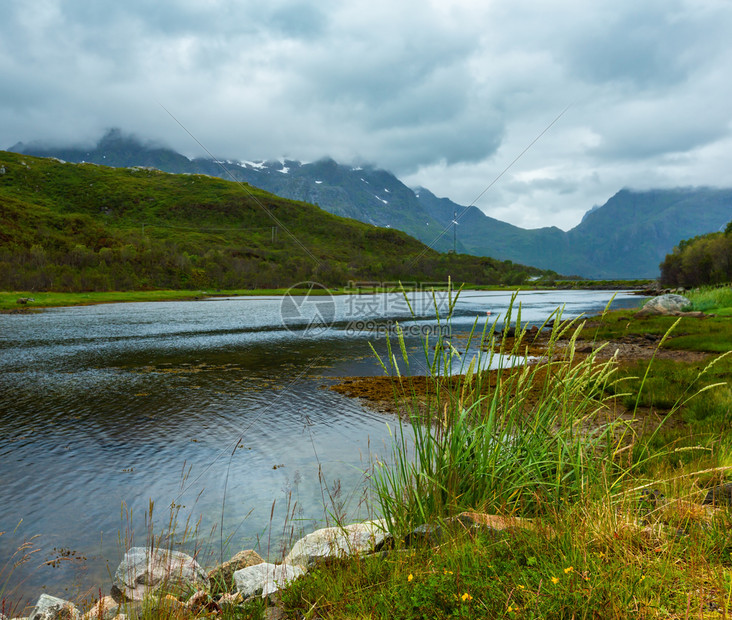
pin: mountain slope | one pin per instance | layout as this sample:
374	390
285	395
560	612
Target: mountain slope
640	228
627	237
363	193
88	227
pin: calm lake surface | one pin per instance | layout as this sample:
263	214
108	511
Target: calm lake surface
214	408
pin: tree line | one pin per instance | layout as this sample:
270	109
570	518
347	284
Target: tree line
703	260
163	264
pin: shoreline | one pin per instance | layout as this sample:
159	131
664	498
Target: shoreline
25	302
380	392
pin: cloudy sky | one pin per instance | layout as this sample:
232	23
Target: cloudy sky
444	94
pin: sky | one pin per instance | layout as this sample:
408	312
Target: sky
534	111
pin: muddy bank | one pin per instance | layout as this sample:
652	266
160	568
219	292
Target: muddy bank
402	395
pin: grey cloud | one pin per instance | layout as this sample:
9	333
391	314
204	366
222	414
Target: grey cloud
465	140
444	93
300	20
645	46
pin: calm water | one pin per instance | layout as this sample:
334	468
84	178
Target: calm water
213	407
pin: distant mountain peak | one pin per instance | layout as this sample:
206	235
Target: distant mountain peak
626	237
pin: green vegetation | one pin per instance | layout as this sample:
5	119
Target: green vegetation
499	441
716	300
615	491
609	461
700	261
83	227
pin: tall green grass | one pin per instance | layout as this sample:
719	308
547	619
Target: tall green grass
621	530
710	298
522	440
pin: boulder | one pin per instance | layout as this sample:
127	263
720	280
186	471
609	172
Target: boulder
143	569
265	578
230	599
221	577
53	608
432	534
333	542
495	523
665	304
425	535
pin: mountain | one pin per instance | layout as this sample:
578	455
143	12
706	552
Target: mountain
76	227
364	193
627	237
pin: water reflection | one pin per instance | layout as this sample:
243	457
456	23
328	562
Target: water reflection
214	407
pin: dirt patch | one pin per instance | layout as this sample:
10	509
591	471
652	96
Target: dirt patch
21	310
405	395
636	349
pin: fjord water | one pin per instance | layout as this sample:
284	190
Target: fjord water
217	409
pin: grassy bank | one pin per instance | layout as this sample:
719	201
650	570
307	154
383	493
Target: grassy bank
611	461
9	300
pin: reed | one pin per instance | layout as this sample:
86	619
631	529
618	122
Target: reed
522	438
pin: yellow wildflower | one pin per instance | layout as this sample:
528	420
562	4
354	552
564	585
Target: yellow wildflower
569	569
466	597
521	587
410	577
555	579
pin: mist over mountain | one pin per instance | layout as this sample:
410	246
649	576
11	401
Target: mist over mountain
627	237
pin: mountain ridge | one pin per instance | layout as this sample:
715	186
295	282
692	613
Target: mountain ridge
627	237
86	227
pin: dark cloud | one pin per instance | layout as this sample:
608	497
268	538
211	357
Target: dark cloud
446	94
647	46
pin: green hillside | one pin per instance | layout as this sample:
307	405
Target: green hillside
81	227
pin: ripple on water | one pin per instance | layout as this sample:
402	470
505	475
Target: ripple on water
211	408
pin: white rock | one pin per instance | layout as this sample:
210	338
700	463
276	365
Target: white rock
265	578
332	542
141	570
53	608
666	304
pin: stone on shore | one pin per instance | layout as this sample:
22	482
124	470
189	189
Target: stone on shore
222	577
53	608
496	523
265	578
202	602
431	534
143	570
333	542
665	305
